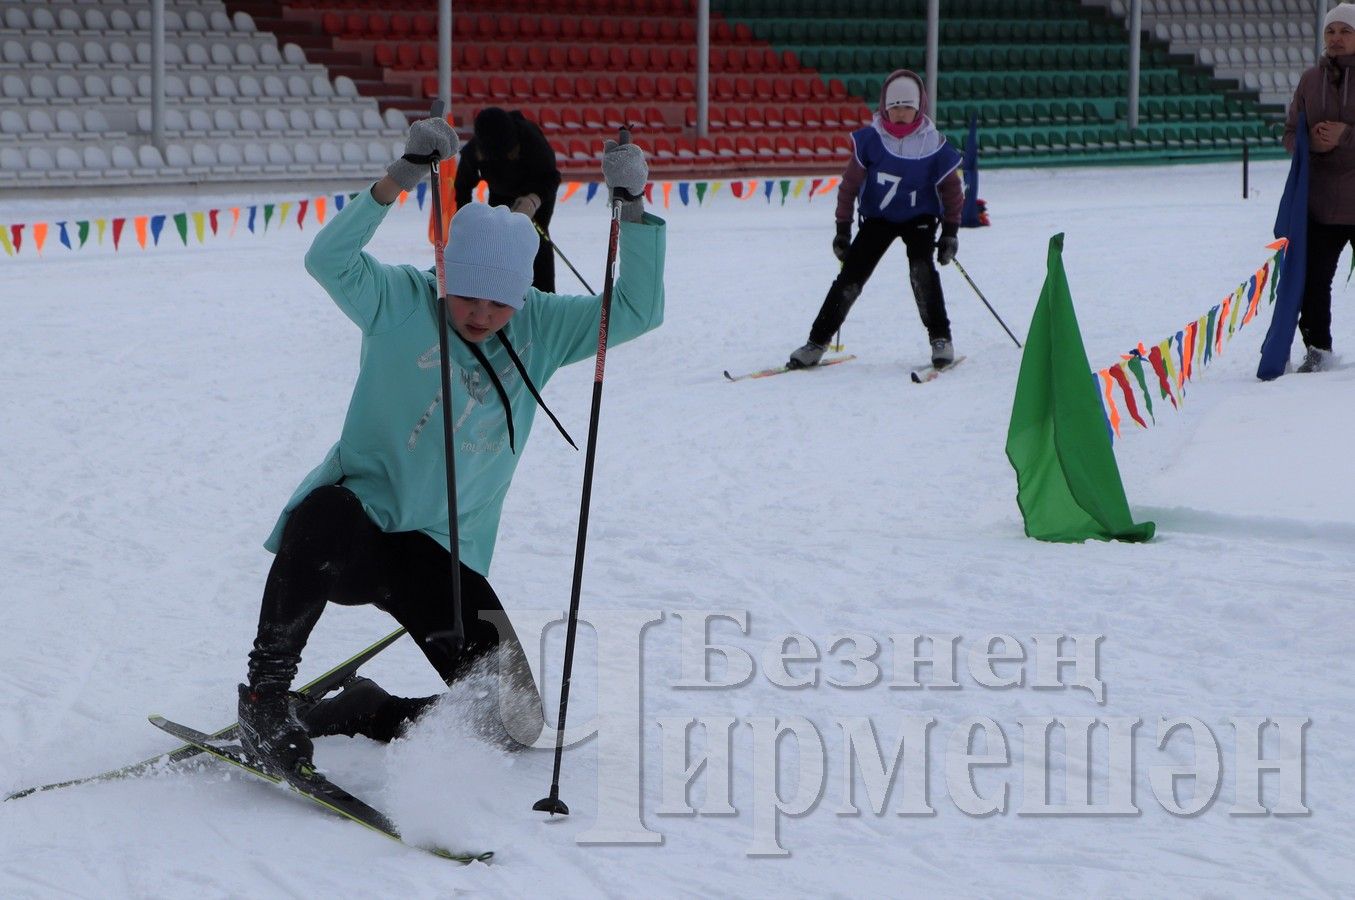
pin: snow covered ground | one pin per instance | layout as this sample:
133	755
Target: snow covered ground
159	407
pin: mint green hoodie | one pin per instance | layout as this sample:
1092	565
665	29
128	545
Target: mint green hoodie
390	453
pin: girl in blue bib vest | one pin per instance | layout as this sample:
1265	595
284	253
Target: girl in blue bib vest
903	181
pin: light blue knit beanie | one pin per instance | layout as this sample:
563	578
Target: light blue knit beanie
489	254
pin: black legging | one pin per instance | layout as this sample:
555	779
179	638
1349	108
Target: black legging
872	240
1325	243
332	552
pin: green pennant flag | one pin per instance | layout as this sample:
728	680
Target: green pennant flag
267	215
700	192
1068	485
1136	366
181	225
82	229
785	189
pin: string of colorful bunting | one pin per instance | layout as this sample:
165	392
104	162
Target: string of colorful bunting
202	225
1161	371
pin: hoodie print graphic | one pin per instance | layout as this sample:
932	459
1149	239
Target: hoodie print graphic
477	389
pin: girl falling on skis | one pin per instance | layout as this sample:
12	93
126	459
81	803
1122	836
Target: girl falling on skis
904	175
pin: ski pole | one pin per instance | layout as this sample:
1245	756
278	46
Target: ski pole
560	253
458	632
985	302
553	804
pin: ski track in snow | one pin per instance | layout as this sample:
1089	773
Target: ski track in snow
159	409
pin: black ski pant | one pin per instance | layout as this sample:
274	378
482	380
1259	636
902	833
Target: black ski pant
872	240
1325	243
331	552
543	265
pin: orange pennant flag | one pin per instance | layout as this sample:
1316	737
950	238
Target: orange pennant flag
235	219
140	224
400	201
570	190
39	235
318	204
1111	409
667	194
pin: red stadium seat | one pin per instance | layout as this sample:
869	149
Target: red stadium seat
625	87
613	119
499	87
400	26
629	31
665	88
793	117
385	55
585	88
423	26
536	59
686	87
515	57
332	23
494	58
562	86
753	118
571	119
549	119
604	88
475	55
377	25
616	59
577	58
772	116
744	90
557	59
743	146
597	58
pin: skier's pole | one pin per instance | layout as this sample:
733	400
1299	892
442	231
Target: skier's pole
553	804
985	302
556	247
457	637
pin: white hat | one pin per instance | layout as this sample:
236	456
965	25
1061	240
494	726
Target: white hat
903	91
1342	12
489	254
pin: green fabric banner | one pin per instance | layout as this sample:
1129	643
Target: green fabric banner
1068	485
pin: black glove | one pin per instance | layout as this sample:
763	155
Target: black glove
843	240
947	246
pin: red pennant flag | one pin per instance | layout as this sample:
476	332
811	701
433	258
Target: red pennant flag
1117	372
117	231
1160	369
17	236
211	219
301	214
814	186
736	188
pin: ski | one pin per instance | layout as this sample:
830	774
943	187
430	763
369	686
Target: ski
765	373
316	689
931	373
312	785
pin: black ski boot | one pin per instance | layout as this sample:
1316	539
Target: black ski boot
363	707
271	732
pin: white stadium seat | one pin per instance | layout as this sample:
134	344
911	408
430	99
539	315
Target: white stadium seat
123	158
95	158
12	124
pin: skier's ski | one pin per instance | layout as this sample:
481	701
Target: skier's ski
931	373
765	373
311	785
316	689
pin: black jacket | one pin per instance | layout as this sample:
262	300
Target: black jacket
532	172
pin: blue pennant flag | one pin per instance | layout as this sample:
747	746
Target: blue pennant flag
767	190
157	225
63	236
250	223
420	192
592	192
1291	221
339	201
683	192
